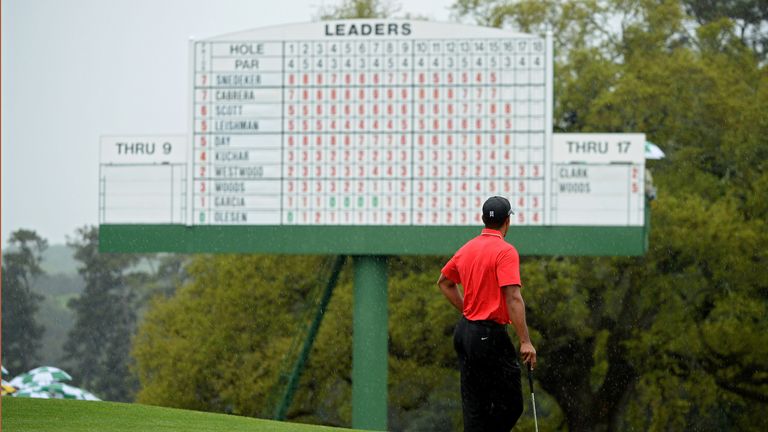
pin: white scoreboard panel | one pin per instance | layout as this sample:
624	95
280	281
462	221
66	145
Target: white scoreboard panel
598	179
143	179
370	122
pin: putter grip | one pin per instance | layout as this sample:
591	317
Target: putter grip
530	376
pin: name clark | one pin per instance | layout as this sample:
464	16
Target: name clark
378	29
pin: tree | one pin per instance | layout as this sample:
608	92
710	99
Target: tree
747	17
98	346
21	332
601	321
218	343
349	9
423	377
673	340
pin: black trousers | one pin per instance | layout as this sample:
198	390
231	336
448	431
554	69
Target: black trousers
491	396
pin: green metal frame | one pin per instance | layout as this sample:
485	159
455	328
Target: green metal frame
292	380
368	240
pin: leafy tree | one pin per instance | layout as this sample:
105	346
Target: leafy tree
747	17
98	346
348	9
423	376
21	332
673	340
217	344
601	321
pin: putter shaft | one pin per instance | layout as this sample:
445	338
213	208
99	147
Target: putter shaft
533	397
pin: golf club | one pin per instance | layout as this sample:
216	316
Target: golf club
533	398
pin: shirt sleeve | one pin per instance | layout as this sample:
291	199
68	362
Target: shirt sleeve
508	268
451	271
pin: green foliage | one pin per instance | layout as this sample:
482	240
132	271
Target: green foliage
747	17
59	259
674	340
21	331
59	284
98	345
424	385
51	289
325	390
218	343
350	9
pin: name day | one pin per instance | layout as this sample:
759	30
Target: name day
228	156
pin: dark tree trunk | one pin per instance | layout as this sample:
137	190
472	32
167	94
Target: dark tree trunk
566	367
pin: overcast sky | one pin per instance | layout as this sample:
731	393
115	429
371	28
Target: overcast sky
73	70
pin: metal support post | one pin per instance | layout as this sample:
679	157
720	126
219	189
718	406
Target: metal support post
369	344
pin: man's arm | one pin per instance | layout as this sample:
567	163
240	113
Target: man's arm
451	291
516	309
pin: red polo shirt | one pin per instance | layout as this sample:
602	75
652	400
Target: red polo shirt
482	266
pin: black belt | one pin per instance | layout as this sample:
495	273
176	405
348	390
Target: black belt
487	323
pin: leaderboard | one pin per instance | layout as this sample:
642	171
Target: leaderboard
598	179
369	122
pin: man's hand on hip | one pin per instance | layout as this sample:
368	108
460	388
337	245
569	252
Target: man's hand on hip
528	353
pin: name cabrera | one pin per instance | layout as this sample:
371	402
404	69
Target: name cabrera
377	29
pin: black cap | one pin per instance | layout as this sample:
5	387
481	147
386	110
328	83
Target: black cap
496	209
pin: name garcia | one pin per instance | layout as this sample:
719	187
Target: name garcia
365	29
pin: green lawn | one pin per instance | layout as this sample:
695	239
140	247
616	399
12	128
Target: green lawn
56	415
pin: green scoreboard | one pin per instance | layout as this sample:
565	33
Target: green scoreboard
376	137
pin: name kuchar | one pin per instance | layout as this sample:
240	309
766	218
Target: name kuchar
228	156
378	29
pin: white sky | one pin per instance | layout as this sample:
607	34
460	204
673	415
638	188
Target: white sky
73	70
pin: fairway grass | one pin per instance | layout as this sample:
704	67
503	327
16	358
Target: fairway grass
57	415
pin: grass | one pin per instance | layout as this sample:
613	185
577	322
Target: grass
29	415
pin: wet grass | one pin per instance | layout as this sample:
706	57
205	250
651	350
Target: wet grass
30	415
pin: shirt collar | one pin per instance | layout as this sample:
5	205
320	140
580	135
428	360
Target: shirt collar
492	232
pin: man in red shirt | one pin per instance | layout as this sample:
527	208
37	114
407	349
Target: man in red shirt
488	268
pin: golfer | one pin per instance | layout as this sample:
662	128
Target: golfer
488	268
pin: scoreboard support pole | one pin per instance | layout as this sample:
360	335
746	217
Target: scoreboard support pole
369	343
